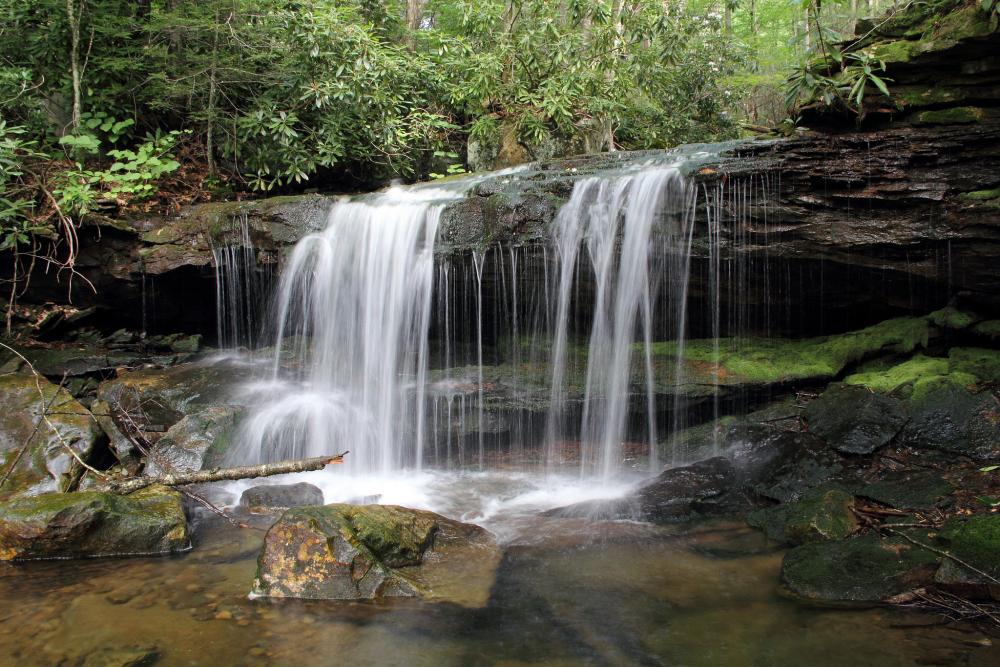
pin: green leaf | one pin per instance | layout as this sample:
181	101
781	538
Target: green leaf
989	468
880	84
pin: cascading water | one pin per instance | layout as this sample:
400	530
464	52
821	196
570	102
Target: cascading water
546	356
354	308
241	287
617	218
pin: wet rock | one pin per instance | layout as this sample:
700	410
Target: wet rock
677	493
197	441
975	540
808	466
908	490
861	569
261	499
758	451
46	464
854	420
954	419
822	514
350	552
92	523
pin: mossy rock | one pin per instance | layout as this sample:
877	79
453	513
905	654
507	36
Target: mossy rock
860	569
989	329
46	464
951	116
976	541
950	317
854	419
908	490
779	361
824	513
93	523
350	552
915	378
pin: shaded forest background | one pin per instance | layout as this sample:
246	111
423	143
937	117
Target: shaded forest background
115	104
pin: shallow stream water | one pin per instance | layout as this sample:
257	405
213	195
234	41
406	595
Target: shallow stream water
568	592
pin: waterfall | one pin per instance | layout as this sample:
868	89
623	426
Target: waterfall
551	354
616	219
353	310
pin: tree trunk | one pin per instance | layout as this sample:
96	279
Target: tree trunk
133	484
73	15
413	16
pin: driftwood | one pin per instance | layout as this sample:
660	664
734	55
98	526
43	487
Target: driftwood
222	474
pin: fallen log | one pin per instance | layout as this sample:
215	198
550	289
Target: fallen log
132	484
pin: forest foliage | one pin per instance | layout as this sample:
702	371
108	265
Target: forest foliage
107	103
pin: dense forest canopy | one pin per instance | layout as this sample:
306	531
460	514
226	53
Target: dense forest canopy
109	103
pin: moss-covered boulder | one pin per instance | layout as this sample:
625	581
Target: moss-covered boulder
46	463
349	552
974	540
860	569
92	523
824	513
854	419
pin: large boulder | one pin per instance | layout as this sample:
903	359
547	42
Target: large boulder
93	523
855	420
46	464
350	552
860	569
262	499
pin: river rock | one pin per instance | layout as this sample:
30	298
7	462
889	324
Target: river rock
822	514
860	569
855	420
261	499
93	523
677	493
46	464
197	441
954	419
350	552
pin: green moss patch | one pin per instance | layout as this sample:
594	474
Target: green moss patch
952	116
773	361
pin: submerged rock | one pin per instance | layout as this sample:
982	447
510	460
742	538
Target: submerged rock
93	523
350	552
861	569
47	463
821	514
854	420
261	499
